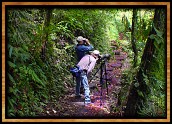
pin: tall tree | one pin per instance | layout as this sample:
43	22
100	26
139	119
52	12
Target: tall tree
46	29
137	96
133	36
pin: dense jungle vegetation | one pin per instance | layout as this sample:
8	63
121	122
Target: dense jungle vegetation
40	50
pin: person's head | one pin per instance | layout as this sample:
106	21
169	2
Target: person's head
81	40
96	54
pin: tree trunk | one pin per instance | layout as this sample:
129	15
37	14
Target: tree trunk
133	36
46	31
135	100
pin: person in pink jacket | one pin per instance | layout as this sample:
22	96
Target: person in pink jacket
87	64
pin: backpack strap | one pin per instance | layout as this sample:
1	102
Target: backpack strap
89	61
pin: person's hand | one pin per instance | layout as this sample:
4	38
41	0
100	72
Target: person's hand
87	41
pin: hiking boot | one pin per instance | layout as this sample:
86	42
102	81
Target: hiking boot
87	102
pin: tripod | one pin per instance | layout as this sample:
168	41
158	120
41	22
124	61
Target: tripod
102	69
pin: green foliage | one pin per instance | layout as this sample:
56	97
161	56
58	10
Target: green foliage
26	78
153	98
155	78
81	22
33	82
144	27
127	78
152	108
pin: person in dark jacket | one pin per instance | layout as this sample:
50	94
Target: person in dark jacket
83	47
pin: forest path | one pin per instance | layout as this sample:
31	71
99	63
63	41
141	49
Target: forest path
102	105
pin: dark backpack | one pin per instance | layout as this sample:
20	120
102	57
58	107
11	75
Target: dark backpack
76	71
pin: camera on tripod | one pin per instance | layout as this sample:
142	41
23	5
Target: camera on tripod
104	57
102	60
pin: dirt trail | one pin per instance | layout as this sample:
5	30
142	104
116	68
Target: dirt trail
102	106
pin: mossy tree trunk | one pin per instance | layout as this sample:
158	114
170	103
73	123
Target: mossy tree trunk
133	36
135	100
46	31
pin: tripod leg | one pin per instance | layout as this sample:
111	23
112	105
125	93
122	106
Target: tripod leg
106	77
94	75
101	83
101	97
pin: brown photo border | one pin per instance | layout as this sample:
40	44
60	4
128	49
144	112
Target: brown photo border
86	3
